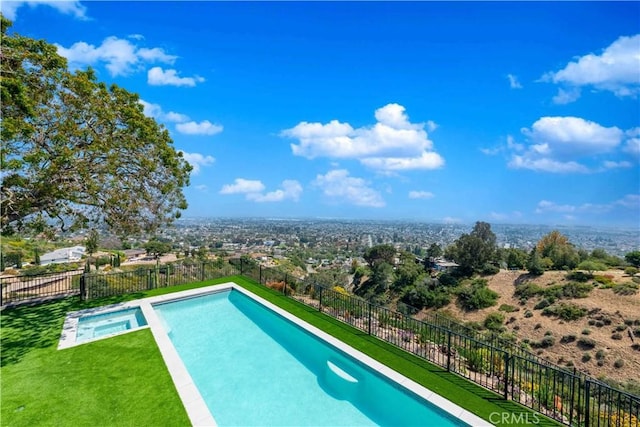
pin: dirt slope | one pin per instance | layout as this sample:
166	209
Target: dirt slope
607	310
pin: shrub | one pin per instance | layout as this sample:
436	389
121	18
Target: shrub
586	331
586	357
528	314
628	322
586	343
616	336
592	322
547	341
599	323
494	321
569	364
600	362
630	271
600	354
605	280
621	328
508	308
566	339
565	311
538	326
489	270
618	364
542	304
576	290
625	288
528	290
579	276
636	332
476	296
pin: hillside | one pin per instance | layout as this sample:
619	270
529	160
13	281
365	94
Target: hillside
610	321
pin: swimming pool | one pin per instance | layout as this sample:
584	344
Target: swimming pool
254	367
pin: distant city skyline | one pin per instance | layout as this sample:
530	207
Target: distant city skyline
450	112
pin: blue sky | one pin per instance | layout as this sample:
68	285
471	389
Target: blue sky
523	112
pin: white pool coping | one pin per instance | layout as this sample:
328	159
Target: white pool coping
194	404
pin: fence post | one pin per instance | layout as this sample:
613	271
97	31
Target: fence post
587	398
369	328
260	268
202	275
448	350
320	299
506	375
83	287
241	272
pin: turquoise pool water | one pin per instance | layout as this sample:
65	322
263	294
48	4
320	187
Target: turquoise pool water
100	325
255	368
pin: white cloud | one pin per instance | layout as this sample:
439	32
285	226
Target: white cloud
75	8
156	76
614	70
253	190
155	111
393	143
608	164
633	146
120	56
562	144
420	194
243	186
630	201
203	128
338	185
566	96
513	82
291	189
197	160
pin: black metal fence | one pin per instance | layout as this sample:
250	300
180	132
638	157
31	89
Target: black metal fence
28	288
569	397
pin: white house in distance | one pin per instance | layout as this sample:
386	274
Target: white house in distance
63	255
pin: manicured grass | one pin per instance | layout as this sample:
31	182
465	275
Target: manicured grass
123	381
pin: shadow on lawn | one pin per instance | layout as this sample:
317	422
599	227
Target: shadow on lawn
30	327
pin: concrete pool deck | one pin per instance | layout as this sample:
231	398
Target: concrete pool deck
193	402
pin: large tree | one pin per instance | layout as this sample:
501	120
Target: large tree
474	251
79	153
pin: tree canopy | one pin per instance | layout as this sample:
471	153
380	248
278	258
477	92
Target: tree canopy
475	250
77	153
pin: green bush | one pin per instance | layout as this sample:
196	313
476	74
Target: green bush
600	354
579	276
586	343
565	311
604	280
630	271
586	331
542	304
618	364
566	339
476	296
528	314
625	288
586	357
616	336
494	321
528	290
508	308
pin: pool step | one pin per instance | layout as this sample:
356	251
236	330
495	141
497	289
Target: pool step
339	383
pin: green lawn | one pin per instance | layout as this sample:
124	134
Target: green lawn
123	381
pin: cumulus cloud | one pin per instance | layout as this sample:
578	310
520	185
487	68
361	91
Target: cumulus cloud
420	194
156	76
392	143
253	190
243	186
513	82
614	70
203	128
120	56
291	189
197	160
632	146
74	8
155	111
564	144
339	186
566	96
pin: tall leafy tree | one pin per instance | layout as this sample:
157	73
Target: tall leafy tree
556	247
474	250
633	258
92	241
76	152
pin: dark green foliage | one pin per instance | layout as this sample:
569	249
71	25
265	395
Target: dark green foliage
586	357
447	279
628	288
586	343
489	270
421	297
494	321
630	271
476	296
616	336
508	308
619	363
473	251
542	304
565	311
566	339
527	290
528	314
633	258
600	354
579	276
535	265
